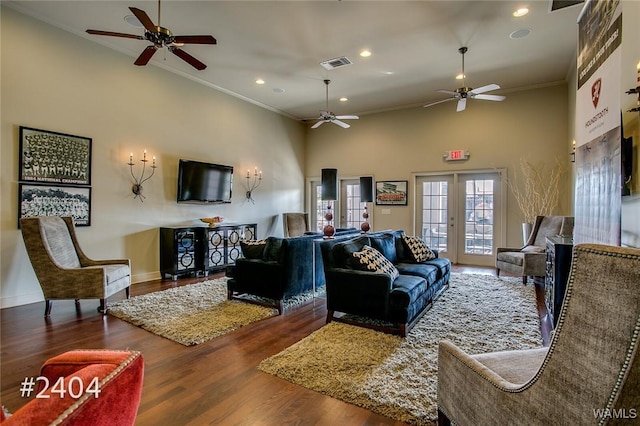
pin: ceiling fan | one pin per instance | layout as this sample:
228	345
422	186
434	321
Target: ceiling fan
463	93
161	37
328	116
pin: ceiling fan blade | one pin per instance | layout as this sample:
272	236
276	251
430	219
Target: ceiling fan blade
188	58
318	124
449	92
110	33
483	89
341	123
462	104
144	19
195	39
439	102
489	97
146	55
347	117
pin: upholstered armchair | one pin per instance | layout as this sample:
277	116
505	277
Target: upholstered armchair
108	386
62	268
295	224
530	259
589	374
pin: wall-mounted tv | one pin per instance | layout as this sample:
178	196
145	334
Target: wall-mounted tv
202	183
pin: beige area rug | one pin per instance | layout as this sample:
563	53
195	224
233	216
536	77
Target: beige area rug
398	377
194	313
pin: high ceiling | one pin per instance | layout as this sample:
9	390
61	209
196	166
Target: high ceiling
414	46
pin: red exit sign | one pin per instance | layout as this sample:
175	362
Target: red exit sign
456	155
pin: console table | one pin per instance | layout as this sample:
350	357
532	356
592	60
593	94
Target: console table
559	251
200	250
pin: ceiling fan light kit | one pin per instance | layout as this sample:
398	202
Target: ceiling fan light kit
160	37
463	93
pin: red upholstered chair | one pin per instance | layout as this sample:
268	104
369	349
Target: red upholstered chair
119	378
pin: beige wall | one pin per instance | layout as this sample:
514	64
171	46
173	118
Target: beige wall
56	81
393	145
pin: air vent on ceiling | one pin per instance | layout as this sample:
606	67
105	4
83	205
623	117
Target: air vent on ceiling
332	64
561	4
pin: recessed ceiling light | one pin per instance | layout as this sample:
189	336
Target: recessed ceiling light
365	53
520	33
259	81
520	12
343	99
132	20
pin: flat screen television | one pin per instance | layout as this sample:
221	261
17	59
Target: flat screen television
204	183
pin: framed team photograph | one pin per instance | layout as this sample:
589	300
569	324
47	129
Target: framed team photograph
55	200
391	193
54	157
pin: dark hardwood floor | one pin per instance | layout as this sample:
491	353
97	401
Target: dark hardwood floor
215	383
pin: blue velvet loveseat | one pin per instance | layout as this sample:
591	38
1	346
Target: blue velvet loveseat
277	268
397	298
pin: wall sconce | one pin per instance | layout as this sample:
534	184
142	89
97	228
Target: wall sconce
251	185
137	186
366	196
329	193
573	152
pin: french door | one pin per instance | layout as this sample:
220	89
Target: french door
461	215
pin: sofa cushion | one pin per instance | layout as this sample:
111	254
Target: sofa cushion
427	271
370	259
273	249
385	244
418	250
343	251
253	249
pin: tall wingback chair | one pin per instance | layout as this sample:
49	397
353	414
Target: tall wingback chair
295	224
62	268
589	374
530	260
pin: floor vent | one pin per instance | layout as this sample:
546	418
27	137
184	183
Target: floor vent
332	64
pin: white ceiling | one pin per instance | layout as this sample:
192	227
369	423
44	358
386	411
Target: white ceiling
414	47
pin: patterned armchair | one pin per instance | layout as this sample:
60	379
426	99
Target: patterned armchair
530	260
62	268
590	373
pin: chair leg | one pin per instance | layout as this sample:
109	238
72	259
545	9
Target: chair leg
497	272
127	292
279	306
524	279
229	294
403	329
47	307
443	420
329	316
103	306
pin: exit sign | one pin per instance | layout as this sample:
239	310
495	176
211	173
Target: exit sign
456	155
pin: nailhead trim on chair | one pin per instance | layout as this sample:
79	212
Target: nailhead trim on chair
66	413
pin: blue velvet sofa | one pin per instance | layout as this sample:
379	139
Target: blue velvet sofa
285	267
398	302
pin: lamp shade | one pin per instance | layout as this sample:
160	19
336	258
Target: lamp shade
366	189
329	184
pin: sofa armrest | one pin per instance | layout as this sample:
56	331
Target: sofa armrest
358	292
503	249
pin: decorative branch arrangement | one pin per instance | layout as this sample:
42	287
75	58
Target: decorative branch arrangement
541	188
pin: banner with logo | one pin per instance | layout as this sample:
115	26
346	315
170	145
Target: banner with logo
598	121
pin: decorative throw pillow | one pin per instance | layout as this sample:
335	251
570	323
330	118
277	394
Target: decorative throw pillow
273	249
370	259
253	249
419	251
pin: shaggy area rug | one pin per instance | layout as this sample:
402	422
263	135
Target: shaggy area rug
194	313
397	377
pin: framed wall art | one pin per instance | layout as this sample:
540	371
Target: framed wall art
55	200
54	157
391	193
